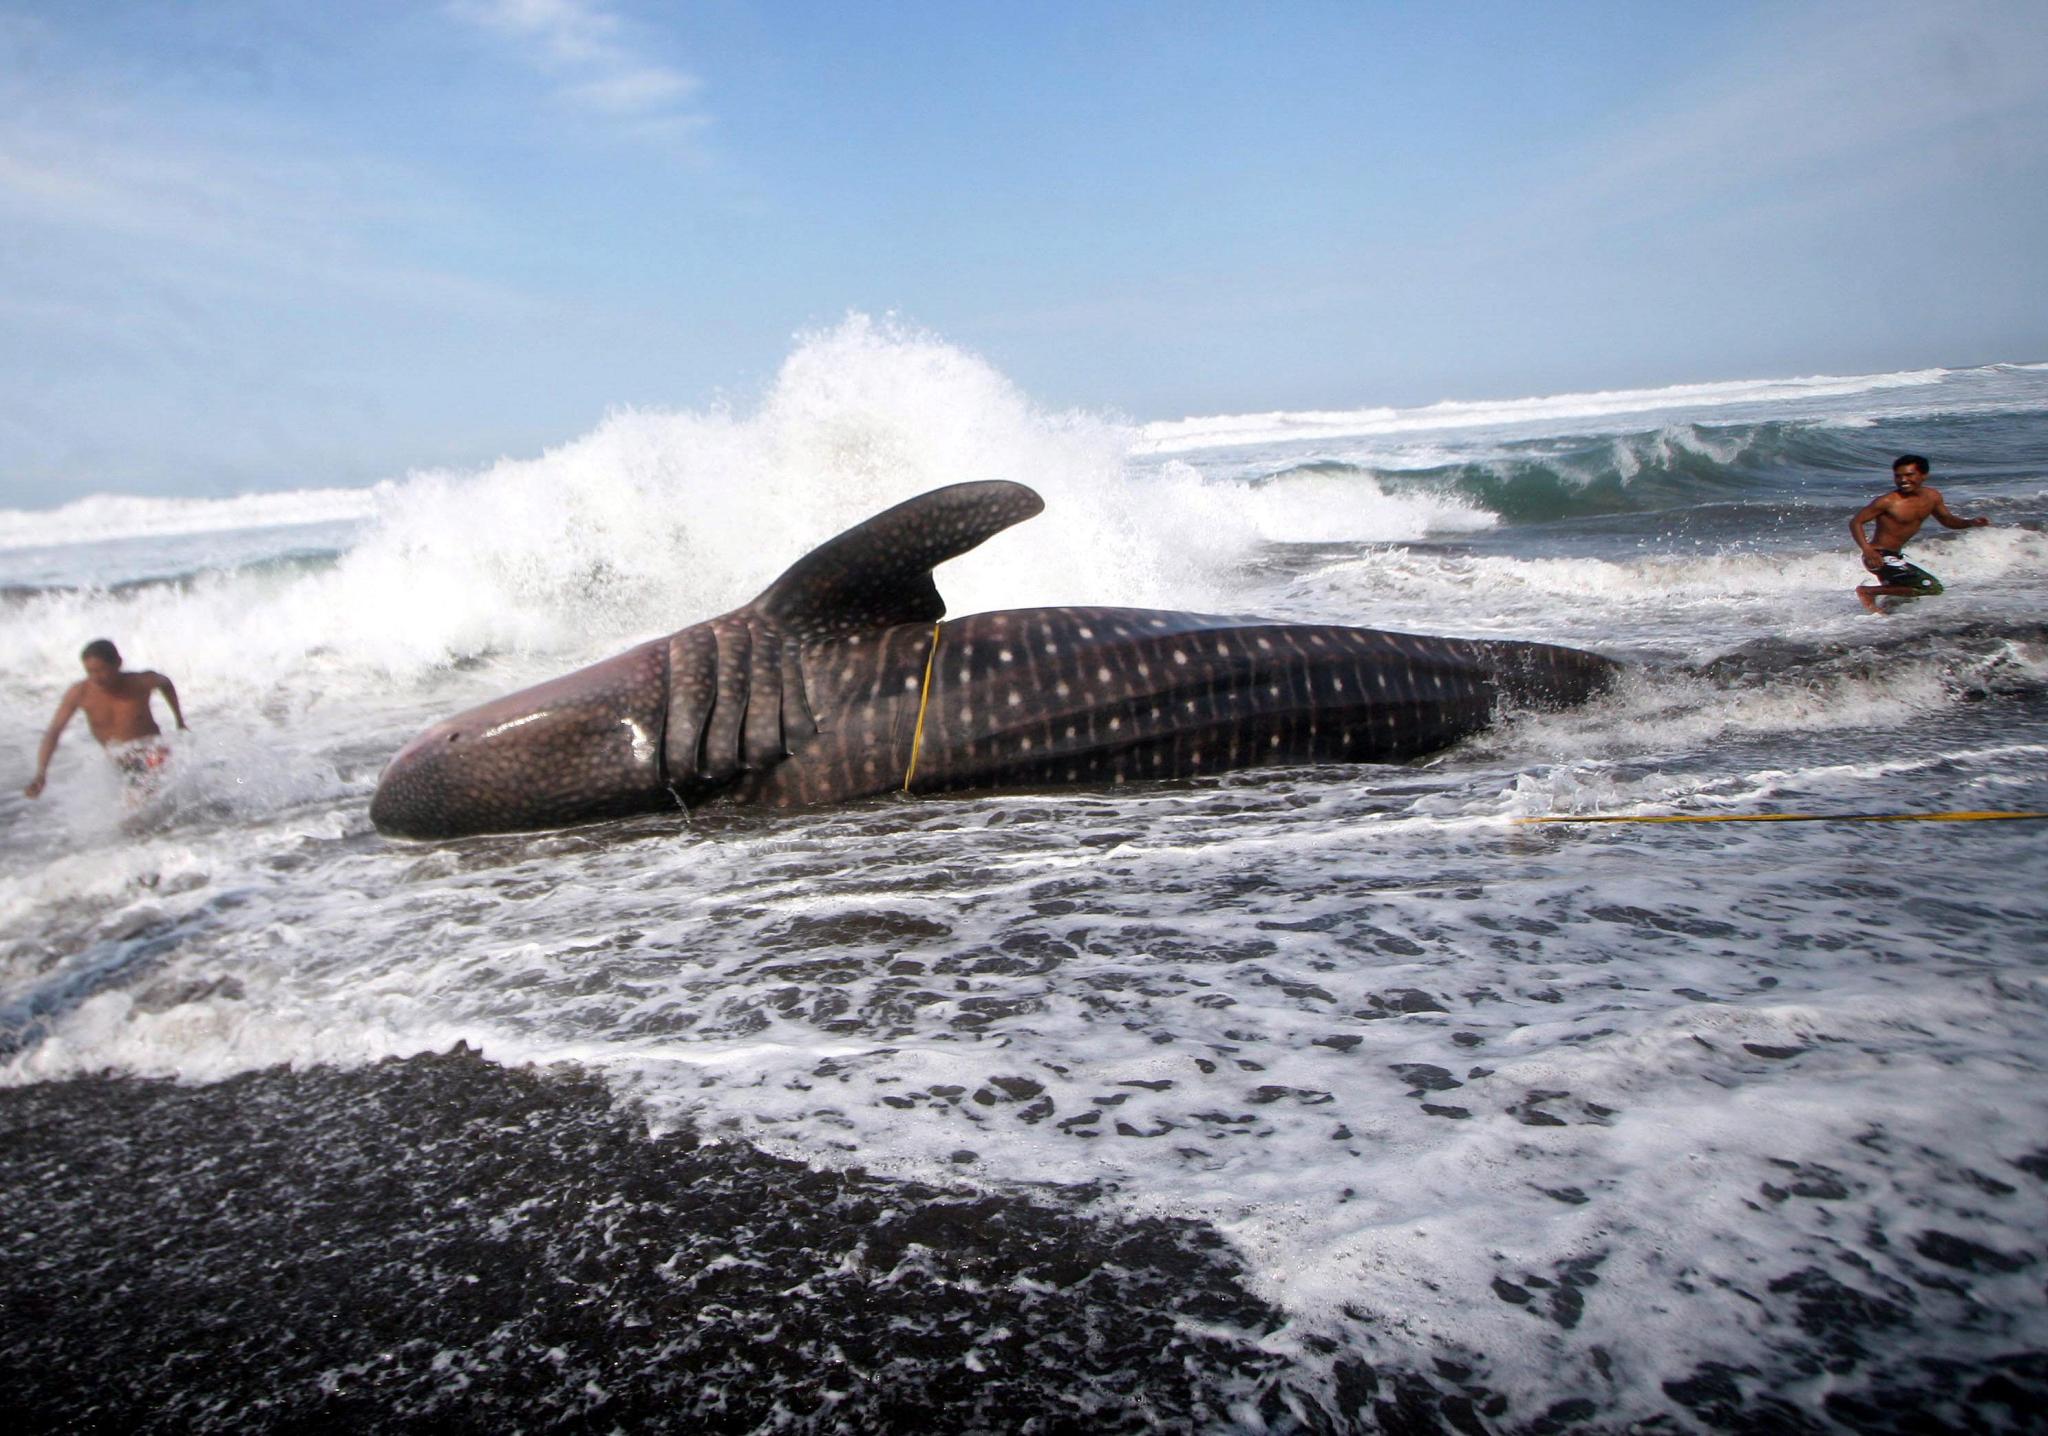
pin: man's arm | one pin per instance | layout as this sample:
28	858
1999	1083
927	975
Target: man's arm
1950	521
56	730
1872	560
163	686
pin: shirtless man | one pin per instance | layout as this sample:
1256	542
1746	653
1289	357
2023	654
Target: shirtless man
1899	515
116	708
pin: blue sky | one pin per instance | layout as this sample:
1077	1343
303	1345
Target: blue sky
249	245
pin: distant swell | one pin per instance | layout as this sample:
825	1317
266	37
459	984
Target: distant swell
118	516
286	565
1231	430
1543	480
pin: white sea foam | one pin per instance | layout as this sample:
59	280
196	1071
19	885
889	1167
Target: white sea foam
850	989
1661	598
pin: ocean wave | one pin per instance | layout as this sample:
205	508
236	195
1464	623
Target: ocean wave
100	517
1640	471
175	579
656	519
1232	430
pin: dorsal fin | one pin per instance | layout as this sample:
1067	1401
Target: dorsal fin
880	572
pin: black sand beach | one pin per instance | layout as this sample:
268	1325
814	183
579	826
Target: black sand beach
444	1244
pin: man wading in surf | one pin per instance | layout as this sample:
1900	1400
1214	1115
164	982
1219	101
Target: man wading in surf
116	708
1899	515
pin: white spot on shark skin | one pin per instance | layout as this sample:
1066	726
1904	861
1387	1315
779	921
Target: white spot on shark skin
1016	699
1006	656
1337	684
910	681
1274	689
1063	690
1070	730
1115	723
1144	670
511	723
1180	658
1024	745
1159	623
1223	650
1102	675
966	715
643	745
1052	650
1087	633
1383	679
1266	644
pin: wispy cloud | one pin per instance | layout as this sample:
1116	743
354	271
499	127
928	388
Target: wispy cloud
96	159
596	62
244	216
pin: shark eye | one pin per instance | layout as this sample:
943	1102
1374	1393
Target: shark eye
453	736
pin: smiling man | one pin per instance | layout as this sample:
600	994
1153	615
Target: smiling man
1898	516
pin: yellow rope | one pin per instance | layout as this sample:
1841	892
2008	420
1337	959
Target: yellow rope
1963	817
924	697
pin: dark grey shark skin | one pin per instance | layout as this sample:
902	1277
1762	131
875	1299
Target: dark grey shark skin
810	695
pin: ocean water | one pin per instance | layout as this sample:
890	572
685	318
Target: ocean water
1472	1124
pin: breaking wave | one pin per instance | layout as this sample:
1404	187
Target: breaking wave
658	518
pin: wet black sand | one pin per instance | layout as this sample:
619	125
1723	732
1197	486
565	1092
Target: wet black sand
444	1244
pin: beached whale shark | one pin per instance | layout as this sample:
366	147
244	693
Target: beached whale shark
844	679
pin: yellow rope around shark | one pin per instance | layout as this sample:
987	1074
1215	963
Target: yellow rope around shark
923	697
1961	817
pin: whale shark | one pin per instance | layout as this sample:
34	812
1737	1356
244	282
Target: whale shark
844	679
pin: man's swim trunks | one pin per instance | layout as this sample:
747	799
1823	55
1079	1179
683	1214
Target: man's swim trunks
140	762
1894	572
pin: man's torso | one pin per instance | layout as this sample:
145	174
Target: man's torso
1902	515
120	714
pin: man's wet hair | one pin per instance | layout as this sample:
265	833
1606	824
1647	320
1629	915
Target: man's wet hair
1912	461
102	648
